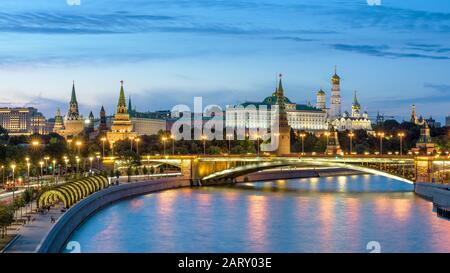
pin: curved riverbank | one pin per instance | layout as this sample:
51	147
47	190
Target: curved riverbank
61	231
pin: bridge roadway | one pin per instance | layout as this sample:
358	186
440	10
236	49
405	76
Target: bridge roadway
212	168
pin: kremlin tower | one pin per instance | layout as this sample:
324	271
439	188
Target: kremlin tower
121	128
335	108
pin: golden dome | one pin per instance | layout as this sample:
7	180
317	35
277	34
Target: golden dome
320	92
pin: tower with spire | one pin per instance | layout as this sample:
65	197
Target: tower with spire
59	124
73	121
121	128
321	101
356	107
284	130
335	107
103	126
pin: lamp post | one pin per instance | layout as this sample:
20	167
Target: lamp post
13	167
381	135
401	135
303	135
164	139
78	164
103	139
98	161
327	134
46	158
258	136
67	163
54	167
229	137
78	144
90	162
131	143
137	145
172	137
111	142
3	175
28	180
351	135
41	163
204	138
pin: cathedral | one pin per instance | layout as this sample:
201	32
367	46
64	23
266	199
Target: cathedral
343	121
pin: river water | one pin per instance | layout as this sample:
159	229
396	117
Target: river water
328	214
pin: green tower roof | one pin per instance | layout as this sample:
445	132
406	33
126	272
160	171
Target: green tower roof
73	99
121	102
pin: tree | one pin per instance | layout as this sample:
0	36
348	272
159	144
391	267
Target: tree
152	170
6	218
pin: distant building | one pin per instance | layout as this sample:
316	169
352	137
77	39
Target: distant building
447	121
22	121
425	145
433	123
414	118
149	123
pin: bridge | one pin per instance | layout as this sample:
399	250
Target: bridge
204	170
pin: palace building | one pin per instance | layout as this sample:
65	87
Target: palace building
300	116
121	128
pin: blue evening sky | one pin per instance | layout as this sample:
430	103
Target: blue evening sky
228	51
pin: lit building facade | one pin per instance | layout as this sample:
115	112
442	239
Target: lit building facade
22	121
357	120
300	116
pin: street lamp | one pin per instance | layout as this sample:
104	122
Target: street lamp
401	135
13	167
303	135
46	163
90	161
204	138
103	139
78	143
111	142
229	137
78	164
69	143
381	135
41	163
3	175
258	136
67	163
137	145
54	166
164	139
351	135
327	134
98	161
131	142
172	137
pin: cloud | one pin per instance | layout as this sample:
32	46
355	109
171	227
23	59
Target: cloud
385	51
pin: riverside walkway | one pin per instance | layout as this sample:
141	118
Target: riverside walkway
30	236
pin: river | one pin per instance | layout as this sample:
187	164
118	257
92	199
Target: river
328	214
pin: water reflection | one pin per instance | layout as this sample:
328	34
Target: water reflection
332	214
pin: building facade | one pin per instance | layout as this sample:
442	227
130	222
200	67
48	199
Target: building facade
149	123
357	120
22	121
447	121
300	116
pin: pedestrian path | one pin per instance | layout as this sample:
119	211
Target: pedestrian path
31	235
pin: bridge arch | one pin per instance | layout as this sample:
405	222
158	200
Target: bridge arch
259	166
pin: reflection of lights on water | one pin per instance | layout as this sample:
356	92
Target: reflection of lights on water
257	216
136	203
342	183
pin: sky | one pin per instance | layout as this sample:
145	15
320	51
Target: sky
227	51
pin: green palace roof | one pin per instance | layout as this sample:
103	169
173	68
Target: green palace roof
273	101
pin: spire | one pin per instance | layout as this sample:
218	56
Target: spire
280	85
91	116
335	79
355	100
73	98
121	102
102	110
129	104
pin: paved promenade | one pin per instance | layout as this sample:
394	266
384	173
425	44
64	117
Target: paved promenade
33	232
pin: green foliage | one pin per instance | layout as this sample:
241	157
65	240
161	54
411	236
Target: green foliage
145	170
152	170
